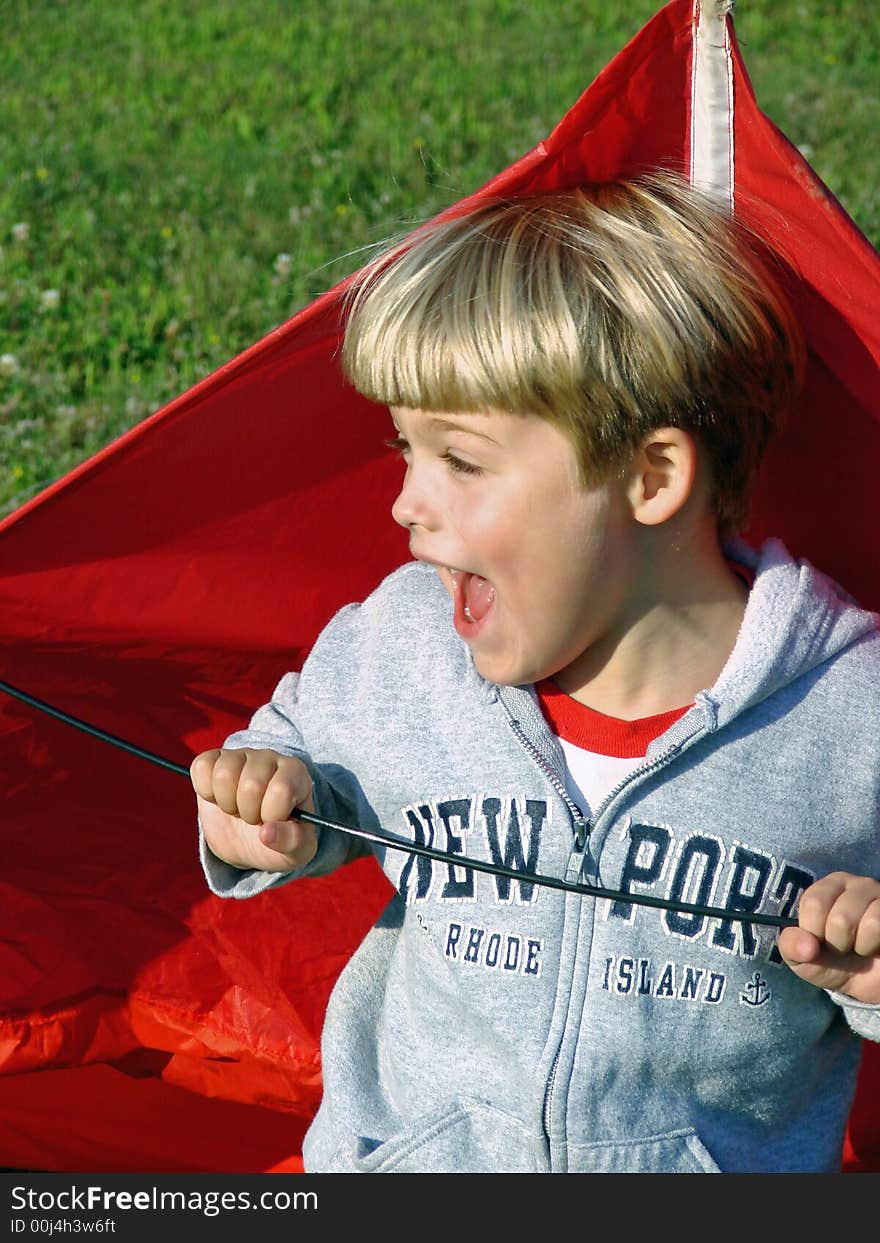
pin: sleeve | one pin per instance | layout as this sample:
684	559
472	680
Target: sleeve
336	793
863	1018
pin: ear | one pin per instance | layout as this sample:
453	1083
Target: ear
662	474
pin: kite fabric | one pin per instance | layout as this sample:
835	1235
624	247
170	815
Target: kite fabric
160	590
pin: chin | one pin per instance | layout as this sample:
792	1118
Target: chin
503	674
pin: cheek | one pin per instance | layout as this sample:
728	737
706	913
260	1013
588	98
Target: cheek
486	524
575	565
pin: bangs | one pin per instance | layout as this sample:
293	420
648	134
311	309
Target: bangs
474	316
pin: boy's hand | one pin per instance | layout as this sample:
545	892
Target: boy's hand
246	799
837	943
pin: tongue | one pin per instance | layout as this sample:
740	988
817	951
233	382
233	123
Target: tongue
478	596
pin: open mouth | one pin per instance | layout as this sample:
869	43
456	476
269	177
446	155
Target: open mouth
473	597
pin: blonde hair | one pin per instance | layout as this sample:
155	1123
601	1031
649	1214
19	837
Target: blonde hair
610	310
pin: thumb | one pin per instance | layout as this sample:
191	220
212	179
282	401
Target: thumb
813	960
291	836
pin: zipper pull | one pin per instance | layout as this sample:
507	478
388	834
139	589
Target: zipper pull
578	857
581	832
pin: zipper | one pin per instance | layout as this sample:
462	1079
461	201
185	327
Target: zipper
551	1080
574	868
581	834
581	826
582	829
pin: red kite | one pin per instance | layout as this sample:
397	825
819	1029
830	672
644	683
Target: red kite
162	588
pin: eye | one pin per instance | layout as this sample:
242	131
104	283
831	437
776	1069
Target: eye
398	444
460	467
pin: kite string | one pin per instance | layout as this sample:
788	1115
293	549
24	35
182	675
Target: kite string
387	839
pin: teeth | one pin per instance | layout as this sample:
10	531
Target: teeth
467	613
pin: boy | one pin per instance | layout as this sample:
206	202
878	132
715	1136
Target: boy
581	675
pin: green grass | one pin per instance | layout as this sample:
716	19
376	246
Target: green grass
184	175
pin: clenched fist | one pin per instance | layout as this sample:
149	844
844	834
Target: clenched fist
246	803
837	944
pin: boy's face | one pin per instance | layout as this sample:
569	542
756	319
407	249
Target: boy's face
539	568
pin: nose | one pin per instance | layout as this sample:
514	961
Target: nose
413	507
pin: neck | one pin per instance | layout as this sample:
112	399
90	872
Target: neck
672	637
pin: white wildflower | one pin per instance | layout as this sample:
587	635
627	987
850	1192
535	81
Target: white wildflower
283	264
806	150
21	231
50	298
8	364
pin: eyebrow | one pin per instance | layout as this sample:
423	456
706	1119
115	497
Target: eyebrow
450	425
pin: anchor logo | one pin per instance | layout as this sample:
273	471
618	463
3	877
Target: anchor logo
756	991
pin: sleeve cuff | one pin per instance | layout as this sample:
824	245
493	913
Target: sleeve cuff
862	1016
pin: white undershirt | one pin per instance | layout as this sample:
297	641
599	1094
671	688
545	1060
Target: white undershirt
590	777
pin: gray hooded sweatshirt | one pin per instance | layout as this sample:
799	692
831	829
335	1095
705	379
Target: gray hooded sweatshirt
490	1024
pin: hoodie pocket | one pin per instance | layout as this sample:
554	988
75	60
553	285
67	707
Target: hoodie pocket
676	1152
464	1137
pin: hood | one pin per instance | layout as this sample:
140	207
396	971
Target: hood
796	618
